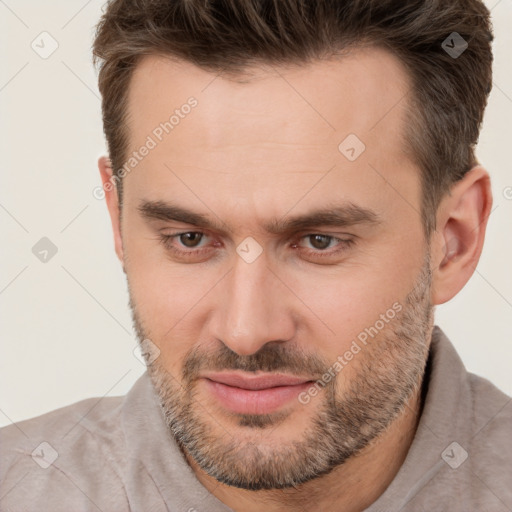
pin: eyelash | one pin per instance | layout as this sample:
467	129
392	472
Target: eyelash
343	245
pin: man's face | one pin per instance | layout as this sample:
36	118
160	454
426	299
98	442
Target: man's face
256	286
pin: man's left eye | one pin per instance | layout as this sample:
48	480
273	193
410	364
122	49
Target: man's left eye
320	242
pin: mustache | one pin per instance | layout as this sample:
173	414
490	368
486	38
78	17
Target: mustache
271	357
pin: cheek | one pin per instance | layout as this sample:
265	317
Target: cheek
351	307
345	307
341	304
167	296
168	308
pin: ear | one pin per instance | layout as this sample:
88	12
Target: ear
109	186
458	241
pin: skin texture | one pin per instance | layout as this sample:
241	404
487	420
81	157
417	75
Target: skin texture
265	149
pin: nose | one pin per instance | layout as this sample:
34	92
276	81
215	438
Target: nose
254	308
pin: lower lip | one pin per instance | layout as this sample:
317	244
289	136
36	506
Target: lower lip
247	401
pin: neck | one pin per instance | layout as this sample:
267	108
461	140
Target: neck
351	487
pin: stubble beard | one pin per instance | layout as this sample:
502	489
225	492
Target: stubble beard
387	378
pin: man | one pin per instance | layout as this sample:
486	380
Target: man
293	189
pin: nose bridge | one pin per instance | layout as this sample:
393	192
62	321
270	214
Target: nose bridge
252	312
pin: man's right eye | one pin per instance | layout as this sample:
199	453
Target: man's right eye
187	244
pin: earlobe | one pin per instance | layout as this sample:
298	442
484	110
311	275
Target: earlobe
110	189
462	221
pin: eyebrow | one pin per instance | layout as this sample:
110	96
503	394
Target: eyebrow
344	215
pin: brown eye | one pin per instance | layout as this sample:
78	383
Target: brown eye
320	241
191	239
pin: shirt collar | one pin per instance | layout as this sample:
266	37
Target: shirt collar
444	420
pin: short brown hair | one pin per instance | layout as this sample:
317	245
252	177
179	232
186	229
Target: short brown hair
449	92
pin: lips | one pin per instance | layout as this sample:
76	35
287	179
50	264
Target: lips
256	382
254	394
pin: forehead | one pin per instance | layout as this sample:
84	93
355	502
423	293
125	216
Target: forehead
279	125
355	93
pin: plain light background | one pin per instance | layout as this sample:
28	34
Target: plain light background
66	327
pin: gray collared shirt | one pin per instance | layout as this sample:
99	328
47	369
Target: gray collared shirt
116	454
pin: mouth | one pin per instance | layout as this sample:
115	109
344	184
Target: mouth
254	394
